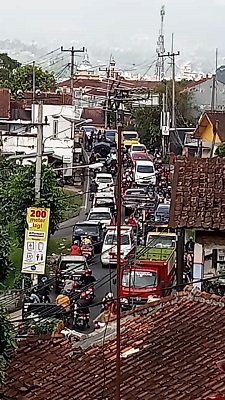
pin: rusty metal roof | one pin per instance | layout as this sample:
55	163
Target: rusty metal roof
5	103
198	194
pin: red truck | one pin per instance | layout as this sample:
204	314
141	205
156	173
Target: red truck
151	275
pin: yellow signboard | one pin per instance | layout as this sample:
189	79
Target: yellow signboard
36	240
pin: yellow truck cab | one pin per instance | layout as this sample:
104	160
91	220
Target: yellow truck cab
129	138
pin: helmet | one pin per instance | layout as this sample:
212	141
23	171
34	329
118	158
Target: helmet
190	238
44	279
109	296
83	295
76	242
88	272
75	285
89	237
64	292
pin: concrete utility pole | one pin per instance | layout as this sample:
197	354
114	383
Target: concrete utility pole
33	91
107	70
172	56
38	167
72	51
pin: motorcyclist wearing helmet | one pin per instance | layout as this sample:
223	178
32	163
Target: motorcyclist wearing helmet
32	297
82	307
63	300
108	303
87	278
132	220
75	249
45	290
87	241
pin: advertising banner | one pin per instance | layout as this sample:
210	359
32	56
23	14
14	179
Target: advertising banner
36	240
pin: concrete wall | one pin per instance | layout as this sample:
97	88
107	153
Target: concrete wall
202	95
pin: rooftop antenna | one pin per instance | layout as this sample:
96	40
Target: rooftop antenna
160	49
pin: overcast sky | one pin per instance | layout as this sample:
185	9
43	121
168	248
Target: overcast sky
125	24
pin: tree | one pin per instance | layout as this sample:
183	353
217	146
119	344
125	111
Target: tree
220	151
22	79
7	66
147	123
21	195
5	247
7	342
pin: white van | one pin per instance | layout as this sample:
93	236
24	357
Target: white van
109	249
144	173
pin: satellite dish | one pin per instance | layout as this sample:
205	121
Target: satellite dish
220	74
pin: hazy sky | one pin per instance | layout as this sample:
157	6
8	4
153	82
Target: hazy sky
125	24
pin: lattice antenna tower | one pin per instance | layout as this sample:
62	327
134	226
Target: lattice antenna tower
160	49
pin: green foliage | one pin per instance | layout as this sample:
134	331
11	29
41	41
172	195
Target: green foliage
72	202
22	79
7	342
59	246
5	264
220	151
7	66
21	195
147	124
43	327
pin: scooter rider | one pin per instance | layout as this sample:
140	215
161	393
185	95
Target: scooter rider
75	249
68	284
108	303
132	220
87	278
82	307
45	290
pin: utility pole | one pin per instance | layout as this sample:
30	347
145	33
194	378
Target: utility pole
33	92
72	52
107	70
180	258
172	56
38	166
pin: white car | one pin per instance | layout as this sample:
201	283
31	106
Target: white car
102	214
109	249
136	148
105	182
104	199
144	173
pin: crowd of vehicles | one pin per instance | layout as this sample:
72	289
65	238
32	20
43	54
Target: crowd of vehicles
148	256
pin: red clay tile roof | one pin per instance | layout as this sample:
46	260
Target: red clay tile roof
49	98
103	83
198	193
214	116
193	84
96	114
5	103
178	338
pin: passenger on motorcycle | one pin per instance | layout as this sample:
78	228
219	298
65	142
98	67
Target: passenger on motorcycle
63	300
68	284
32	296
87	241
132	220
75	249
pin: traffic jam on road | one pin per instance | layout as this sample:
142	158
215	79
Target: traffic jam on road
148	255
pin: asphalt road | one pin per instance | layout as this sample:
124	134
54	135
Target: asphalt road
102	274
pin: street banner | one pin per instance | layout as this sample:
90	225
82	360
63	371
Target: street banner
36	240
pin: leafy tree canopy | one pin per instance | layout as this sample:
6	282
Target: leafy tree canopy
7	342
22	79
21	195
7	66
5	247
220	151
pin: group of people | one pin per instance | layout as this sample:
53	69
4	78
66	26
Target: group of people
77	247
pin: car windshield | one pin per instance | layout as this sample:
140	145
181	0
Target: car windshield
104	201
110	134
145	169
139	279
162	242
83	229
135	192
111	238
138	148
104	179
71	266
163	210
129	136
95	216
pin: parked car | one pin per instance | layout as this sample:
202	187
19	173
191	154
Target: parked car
102	214
144	173
90	228
69	265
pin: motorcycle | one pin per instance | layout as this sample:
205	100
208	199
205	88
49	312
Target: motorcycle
87	251
90	294
81	320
